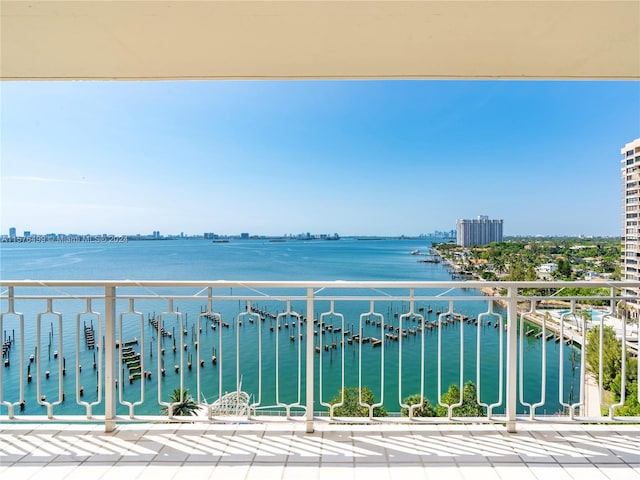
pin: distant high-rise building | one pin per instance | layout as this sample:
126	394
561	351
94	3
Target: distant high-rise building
631	233
12	232
480	231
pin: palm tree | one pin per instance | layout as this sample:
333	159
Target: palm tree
622	309
498	264
183	404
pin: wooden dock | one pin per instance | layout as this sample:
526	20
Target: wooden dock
552	329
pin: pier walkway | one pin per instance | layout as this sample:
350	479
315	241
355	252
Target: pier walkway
335	452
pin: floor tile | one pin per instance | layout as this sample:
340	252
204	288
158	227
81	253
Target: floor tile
279	450
96	470
585	472
262	472
230	472
337	473
193	472
621	472
406	472
158	472
381	472
297	472
549	471
477	472
23	472
122	471
443	472
510	472
54	472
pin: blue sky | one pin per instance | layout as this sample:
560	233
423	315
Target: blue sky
278	157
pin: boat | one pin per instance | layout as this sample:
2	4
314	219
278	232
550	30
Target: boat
429	260
415	252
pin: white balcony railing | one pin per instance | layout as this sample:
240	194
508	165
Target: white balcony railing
113	351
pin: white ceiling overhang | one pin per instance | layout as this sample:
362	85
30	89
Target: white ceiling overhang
181	39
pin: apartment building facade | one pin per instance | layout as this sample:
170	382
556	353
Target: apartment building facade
479	231
631	220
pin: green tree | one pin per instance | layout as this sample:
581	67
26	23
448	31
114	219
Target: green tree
631	405
612	368
469	407
611	354
531	274
489	276
424	410
564	268
184	405
498	263
352	407
516	270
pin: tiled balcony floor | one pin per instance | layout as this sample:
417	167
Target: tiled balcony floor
334	452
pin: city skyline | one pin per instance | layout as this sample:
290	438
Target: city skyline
355	157
13	234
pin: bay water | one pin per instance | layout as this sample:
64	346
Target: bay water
263	345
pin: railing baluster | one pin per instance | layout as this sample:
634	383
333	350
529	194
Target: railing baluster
97	344
287	315
61	372
583	369
321	378
11	311
543	362
623	360
409	315
371	313
490	314
512	323
109	358
121	383
449	314
310	384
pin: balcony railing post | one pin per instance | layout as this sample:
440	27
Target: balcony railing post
309	362
109	358
512	327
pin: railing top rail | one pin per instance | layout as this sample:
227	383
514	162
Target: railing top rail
338	284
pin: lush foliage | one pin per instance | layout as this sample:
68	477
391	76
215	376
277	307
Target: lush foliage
612	368
184	405
424	410
631	405
611	354
520	259
469	407
352	407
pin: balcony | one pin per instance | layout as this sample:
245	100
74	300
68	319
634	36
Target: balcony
293	346
40	40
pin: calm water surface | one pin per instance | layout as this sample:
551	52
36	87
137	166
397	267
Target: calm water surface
346	259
